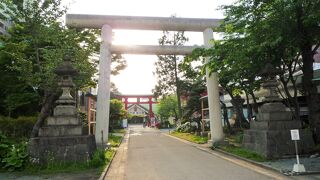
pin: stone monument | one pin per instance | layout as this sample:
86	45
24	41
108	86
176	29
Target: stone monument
61	138
269	135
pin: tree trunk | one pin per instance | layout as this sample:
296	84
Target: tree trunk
255	104
46	108
307	68
240	119
249	110
225	117
311	90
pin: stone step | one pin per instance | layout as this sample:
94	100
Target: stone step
63	120
62	149
275	125
65	110
60	130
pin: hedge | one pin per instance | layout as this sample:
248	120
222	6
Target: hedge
17	128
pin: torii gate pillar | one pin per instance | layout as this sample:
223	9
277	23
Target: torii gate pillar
103	105
213	95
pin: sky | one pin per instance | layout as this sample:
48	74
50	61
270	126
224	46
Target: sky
138	77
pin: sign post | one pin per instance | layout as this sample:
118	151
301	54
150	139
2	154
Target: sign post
295	137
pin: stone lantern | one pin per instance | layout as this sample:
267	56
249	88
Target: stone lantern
270	134
65	71
61	137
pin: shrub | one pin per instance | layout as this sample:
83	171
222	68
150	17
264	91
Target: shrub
16	157
186	127
4	148
12	156
17	128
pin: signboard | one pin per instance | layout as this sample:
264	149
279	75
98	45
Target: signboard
125	123
295	134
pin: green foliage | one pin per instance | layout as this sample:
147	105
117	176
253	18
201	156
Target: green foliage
168	107
13	156
190	137
239	151
5	145
99	158
114	140
117	113
18	128
122	131
38	40
168	73
167	65
16	158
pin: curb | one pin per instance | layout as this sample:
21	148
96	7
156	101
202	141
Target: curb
217	150
105	171
264	165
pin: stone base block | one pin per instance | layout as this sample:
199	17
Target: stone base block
63	120
62	149
60	130
276	143
65	110
275	125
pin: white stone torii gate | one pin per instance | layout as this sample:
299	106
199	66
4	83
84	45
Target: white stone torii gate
107	22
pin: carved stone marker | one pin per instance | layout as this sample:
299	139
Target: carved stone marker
270	134
61	138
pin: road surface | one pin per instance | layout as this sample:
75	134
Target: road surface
148	154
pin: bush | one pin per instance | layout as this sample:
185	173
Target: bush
12	156
17	128
98	158
185	128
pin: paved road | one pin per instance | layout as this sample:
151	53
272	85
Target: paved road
151	155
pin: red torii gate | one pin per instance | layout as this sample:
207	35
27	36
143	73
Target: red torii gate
138	98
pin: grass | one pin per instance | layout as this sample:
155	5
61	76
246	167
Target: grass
242	152
233	144
99	161
114	140
122	131
190	137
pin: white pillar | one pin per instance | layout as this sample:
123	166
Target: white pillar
213	96
103	99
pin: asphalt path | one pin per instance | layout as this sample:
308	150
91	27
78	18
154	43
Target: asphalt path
152	155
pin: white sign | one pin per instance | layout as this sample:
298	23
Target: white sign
295	134
124	123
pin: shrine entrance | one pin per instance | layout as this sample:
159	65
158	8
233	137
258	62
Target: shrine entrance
129	100
106	23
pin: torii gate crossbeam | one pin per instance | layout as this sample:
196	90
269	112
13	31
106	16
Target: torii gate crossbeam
106	23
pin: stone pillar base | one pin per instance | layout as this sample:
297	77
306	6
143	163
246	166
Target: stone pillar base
62	149
276	143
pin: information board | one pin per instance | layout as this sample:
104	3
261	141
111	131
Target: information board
295	134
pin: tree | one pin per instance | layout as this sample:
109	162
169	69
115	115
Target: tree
168	107
36	45
288	25
167	68
117	112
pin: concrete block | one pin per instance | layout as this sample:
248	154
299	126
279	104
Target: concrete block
276	143
63	120
274	116
62	149
65	110
275	125
60	130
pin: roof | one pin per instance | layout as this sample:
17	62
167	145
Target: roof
141	107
